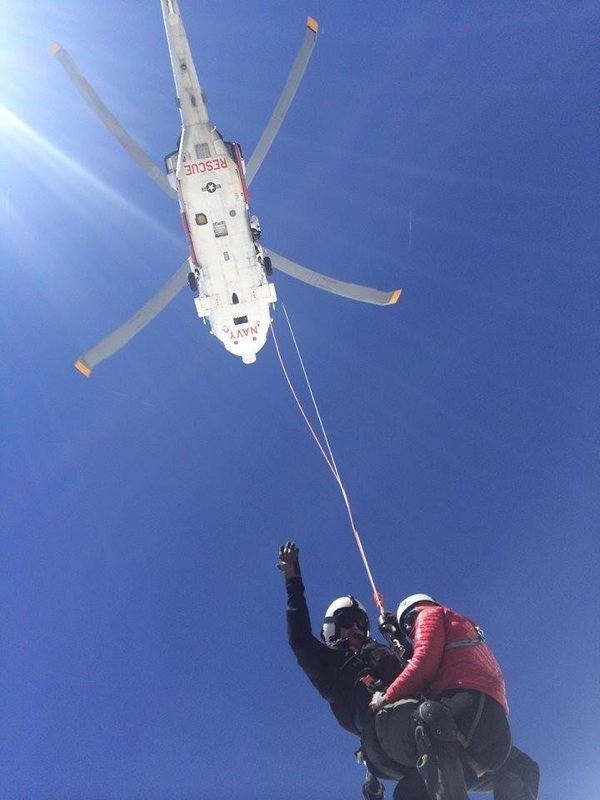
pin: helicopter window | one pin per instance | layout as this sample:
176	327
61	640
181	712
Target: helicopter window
240	320
202	150
234	299
201	219
193	99
226	255
220	229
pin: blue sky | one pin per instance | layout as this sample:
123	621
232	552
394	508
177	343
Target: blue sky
144	652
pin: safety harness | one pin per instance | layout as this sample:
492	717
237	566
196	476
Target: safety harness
479	639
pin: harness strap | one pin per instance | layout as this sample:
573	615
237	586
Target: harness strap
480	639
482	774
475	723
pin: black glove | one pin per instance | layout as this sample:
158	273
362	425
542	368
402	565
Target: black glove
288	560
372	789
388	625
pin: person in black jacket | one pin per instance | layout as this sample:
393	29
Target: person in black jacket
346	667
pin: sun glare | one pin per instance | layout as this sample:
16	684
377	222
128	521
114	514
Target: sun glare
69	172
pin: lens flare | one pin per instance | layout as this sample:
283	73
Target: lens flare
60	170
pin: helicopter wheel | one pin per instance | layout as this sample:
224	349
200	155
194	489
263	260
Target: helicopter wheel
268	266
193	281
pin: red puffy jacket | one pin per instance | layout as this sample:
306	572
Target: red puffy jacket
444	659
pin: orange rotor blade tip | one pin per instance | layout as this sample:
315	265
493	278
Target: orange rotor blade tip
82	367
55	48
312	24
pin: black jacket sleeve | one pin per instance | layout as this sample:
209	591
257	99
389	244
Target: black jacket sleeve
312	655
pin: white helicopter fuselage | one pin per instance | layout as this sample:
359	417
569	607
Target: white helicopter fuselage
227	268
226	263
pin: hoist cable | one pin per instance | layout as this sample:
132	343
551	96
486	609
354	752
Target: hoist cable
312	397
299	404
329	460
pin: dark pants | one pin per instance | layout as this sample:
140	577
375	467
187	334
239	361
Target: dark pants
484	730
411	787
486	739
517	779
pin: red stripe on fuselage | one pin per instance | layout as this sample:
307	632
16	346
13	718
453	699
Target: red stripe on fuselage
239	162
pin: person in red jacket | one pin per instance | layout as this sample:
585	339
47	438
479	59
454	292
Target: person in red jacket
459	736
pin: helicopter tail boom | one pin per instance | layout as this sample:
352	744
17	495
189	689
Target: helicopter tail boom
190	98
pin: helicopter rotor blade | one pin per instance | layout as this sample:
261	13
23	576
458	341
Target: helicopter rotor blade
285	99
353	291
110	121
112	343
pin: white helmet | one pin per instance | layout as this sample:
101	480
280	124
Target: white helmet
409	602
343	610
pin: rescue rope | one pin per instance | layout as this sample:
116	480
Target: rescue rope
312	396
329	459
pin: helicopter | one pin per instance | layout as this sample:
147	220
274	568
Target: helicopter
228	268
